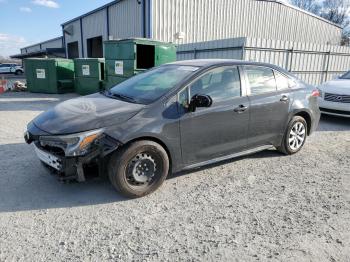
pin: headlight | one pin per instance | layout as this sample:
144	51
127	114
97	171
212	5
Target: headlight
75	144
320	91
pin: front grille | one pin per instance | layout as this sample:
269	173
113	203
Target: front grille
337	98
57	151
339	112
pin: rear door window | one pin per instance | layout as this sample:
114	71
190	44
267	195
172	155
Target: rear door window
281	81
261	80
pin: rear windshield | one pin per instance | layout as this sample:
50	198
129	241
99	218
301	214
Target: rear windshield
147	87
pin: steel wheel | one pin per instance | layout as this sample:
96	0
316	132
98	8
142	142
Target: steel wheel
141	169
297	136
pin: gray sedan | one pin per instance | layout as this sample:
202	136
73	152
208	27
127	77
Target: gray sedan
175	117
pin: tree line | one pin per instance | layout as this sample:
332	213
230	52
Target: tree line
336	11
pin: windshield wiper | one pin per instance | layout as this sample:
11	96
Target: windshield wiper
120	96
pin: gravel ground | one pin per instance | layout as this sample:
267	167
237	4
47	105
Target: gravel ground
261	207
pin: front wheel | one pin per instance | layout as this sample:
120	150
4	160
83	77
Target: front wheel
295	136
138	169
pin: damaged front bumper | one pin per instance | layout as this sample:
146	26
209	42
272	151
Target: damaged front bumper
72	166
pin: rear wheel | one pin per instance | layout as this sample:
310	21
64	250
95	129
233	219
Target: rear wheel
139	168
295	136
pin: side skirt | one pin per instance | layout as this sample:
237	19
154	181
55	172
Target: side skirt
223	158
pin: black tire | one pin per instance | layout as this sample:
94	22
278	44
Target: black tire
18	72
286	147
124	168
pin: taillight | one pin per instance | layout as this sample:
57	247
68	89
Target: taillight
316	93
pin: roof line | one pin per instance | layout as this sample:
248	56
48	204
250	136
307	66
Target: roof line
301	10
271	1
47	51
40	43
91	12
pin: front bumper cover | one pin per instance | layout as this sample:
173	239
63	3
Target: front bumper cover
72	168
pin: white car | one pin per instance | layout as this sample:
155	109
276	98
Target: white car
335	96
11	69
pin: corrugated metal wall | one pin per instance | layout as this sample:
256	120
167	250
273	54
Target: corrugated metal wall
53	43
226	48
312	63
75	36
31	49
203	20
125	19
94	25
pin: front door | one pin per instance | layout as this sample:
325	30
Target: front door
218	130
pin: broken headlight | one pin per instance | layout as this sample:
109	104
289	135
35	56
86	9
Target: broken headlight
75	144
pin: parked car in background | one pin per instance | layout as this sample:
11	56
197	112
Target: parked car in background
11	69
178	116
335	96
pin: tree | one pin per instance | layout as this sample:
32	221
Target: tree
336	11
312	6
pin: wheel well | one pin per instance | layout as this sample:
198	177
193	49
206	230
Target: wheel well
307	118
156	140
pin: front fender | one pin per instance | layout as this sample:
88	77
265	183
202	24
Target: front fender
163	131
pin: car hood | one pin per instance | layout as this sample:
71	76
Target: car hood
86	113
338	86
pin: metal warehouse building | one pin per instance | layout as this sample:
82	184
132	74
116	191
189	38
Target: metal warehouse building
189	21
50	48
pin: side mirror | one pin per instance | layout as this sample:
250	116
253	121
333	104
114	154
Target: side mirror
200	101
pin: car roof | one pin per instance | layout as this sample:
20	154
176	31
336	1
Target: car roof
212	62
217	62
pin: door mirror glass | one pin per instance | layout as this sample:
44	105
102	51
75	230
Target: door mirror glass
200	101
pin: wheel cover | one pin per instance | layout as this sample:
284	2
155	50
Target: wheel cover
141	169
297	136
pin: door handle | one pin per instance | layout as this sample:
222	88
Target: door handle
240	109
284	99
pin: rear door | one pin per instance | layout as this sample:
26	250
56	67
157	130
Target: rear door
218	130
269	106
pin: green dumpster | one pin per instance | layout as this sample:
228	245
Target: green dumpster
128	57
49	75
89	75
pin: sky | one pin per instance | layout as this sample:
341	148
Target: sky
26	22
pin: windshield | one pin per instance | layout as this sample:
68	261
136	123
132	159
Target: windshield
147	87
345	76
